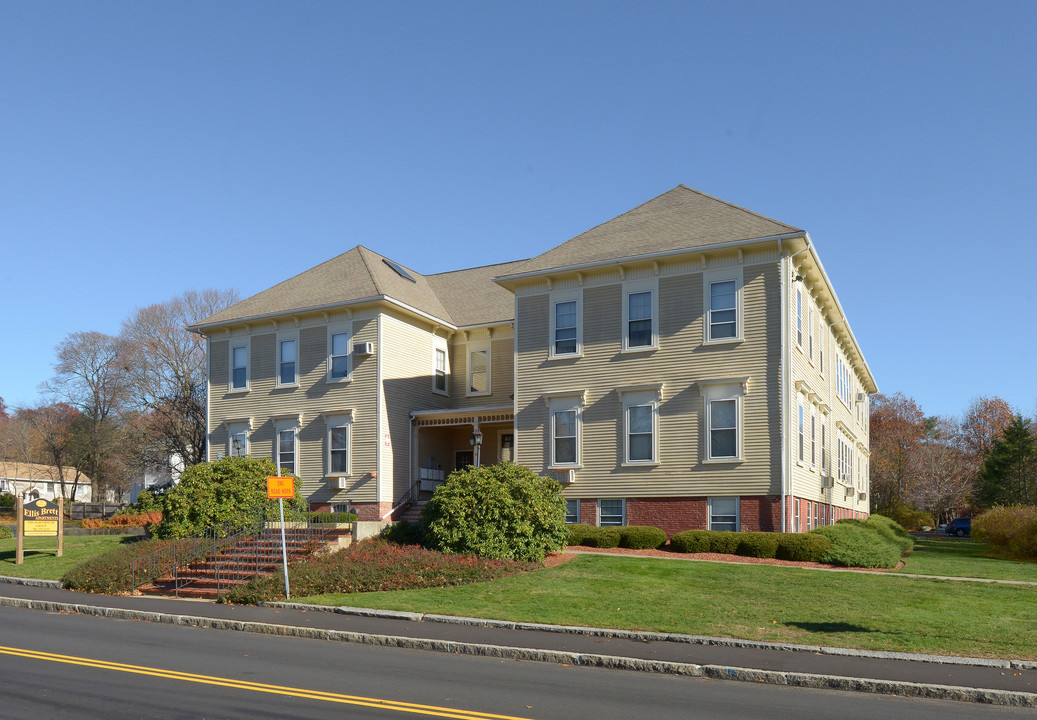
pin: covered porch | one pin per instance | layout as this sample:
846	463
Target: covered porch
446	440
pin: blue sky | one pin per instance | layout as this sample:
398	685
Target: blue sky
154	147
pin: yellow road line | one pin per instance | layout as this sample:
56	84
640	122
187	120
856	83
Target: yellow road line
431	710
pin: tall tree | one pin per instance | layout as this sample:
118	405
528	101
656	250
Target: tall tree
941	472
983	424
53	429
168	373
897	430
91	374
1009	472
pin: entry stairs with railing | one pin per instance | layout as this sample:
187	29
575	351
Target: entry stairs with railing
210	565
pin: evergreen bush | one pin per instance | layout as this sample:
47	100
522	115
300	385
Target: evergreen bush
855	545
503	511
219	493
757	544
602	537
1009	531
641	537
802	547
691	541
6	533
109	573
578	532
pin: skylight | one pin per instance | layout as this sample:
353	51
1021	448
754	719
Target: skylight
399	270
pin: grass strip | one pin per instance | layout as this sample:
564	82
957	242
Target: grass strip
776	604
951	557
41	560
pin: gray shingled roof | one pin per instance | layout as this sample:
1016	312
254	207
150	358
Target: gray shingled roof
472	297
676	220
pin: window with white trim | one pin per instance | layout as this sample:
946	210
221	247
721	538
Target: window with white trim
799	435
810	510
641	424
287	360
572	511
813	439
722	300
337	441
796	502
640	313
284	451
239	367
566	330
723	513
237	440
338	353
441	368
478	368
611	513
799	318
565	431
824	445
810	334
823	332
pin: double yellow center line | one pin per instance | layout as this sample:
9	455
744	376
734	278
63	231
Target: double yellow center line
430	710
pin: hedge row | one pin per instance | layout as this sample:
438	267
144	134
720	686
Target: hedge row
877	542
636	537
787	546
109	573
139	520
1009	531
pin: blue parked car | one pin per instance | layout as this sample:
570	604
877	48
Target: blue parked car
959	526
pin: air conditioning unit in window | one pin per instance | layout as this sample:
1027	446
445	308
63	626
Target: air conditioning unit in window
861	397
339	483
827	481
565	476
862	496
364	348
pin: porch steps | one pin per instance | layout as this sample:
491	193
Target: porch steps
259	555
412	513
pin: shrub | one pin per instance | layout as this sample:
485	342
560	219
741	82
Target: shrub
802	547
141	520
372	565
1010	531
602	537
855	544
909	517
404	532
501	511
6	532
892	531
706	541
109	573
7	500
217	493
334	518
578	532
641	537
757	544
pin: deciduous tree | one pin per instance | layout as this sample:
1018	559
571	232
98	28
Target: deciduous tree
897	430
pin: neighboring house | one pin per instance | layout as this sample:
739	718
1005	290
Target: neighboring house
159	476
684	365
33	481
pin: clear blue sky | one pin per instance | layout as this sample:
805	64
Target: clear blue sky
153	147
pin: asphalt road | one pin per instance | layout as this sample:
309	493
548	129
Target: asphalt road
184	672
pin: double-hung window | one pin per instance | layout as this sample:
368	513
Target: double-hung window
564	429
799	318
565	325
338	353
337	442
810	334
799	450
813	440
572	511
237	437
723	513
439	384
722	300
640	313
723	401
611	512
479	368
641	424
284	456
239	367
287	360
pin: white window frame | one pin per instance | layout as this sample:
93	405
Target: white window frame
799	318
737	514
800	434
622	515
283	338
576	502
636	397
709	279
557	299
439	345
810	333
242	343
332	422
822	344
813	438
558	403
634	288
333	330
238	429
278	460
722	390
477	346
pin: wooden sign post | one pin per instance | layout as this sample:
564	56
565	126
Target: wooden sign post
40	518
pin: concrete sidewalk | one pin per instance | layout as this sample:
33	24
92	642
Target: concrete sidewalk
999	682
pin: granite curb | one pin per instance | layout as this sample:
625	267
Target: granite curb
719	672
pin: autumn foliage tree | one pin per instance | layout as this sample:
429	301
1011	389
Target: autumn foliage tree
897	430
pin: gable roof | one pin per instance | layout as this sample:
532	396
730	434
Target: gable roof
35	472
679	219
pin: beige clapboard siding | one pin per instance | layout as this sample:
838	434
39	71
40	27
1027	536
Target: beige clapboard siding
679	363
312	398
407	378
820	380
502	368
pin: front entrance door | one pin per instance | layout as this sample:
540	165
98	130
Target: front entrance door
464	459
507	447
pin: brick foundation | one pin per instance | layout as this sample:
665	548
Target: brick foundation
364	511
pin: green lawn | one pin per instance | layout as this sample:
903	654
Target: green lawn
40	561
964	558
859	610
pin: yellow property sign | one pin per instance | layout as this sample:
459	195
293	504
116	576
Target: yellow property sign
40	519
